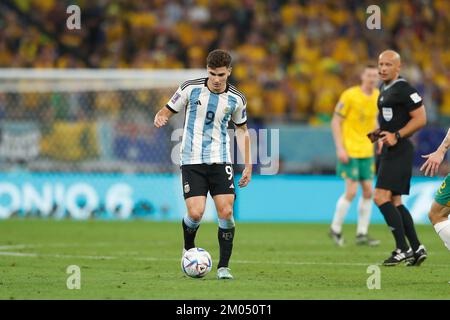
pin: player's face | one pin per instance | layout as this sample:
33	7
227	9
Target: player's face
217	78
388	68
369	77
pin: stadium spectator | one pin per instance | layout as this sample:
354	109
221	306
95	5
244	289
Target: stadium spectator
298	43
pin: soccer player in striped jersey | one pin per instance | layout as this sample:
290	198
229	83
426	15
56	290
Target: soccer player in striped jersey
206	164
354	117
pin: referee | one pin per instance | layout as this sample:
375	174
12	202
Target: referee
401	114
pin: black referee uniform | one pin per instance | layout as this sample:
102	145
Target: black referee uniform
395	102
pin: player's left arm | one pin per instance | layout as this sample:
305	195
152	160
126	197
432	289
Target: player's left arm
418	117
418	120
239	118
244	145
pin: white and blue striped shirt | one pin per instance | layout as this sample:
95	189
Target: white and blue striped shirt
205	136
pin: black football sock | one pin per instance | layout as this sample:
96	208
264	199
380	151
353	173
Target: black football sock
226	237
408	224
189	236
395	224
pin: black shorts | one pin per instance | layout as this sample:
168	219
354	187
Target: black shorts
198	179
395	167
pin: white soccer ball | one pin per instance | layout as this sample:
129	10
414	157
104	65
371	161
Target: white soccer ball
196	263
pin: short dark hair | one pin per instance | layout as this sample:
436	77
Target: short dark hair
370	66
362	67
218	58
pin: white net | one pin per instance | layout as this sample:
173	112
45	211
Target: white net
75	120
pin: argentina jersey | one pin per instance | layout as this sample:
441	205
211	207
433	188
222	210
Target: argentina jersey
205	138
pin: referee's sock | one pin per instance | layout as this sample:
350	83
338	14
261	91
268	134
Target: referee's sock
394	222
190	228
410	230
225	236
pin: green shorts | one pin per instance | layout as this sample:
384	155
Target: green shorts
443	194
357	169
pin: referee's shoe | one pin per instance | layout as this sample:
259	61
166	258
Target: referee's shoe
398	256
419	256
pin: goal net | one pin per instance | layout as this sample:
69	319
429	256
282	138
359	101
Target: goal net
86	120
59	129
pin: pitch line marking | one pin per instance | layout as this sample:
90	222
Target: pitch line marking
88	257
19	254
50	245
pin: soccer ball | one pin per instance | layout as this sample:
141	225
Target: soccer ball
196	263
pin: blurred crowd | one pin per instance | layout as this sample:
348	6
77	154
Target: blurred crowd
292	59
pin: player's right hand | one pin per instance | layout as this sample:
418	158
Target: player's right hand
431	166
342	156
160	120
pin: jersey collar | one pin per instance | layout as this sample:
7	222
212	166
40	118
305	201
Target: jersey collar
399	79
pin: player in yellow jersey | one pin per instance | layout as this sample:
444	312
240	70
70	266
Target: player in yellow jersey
354	117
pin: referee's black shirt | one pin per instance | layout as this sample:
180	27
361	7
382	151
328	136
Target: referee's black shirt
396	100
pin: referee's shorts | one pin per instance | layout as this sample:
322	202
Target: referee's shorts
395	167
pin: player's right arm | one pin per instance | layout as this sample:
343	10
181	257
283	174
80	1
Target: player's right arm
175	104
336	128
162	117
435	159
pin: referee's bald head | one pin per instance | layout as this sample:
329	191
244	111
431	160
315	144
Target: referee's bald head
389	63
391	55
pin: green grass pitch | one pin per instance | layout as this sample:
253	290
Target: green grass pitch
141	260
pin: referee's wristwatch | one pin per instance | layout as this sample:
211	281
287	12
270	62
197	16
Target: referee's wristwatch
397	135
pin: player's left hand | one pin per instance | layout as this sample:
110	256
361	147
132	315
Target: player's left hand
388	138
246	177
431	166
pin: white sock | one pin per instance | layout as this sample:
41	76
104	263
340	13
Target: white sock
342	207
443	230
364	212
